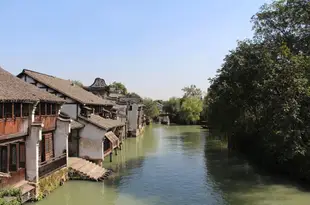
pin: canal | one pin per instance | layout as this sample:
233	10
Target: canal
179	165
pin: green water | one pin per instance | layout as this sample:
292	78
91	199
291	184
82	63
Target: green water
179	165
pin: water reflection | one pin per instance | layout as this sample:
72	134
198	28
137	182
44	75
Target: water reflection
240	183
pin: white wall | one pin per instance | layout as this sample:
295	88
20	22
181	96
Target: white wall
61	137
32	153
70	109
91	141
132	118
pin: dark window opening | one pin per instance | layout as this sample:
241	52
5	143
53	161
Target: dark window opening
1	110
37	111
54	108
25	110
22	155
17	109
130	108
49	109
43	108
3	159
13	157
106	145
8	110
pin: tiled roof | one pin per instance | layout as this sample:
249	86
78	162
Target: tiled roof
102	122
76	125
13	89
68	88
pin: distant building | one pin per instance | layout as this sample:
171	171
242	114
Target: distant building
128	109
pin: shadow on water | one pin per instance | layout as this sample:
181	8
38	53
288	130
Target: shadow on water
244	183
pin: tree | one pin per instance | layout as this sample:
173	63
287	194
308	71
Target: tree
192	91
119	87
151	109
190	110
77	82
284	21
260	95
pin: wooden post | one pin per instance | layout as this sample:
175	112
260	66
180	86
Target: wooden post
111	157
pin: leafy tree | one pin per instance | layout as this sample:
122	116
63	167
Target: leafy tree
190	110
192	91
120	87
284	21
151	109
260	96
77	82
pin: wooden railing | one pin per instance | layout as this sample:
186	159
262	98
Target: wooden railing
54	164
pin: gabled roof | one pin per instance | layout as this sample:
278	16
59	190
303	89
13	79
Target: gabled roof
67	88
112	138
102	122
13	89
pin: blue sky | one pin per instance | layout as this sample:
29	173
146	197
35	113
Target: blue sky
155	47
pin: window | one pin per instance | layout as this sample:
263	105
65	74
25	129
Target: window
43	108
17	109
1	110
37	111
13	157
25	110
8	110
3	159
130	108
49	109
22	155
54	108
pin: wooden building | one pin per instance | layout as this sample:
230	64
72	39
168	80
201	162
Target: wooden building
33	137
85	109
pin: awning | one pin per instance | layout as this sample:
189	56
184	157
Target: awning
112	138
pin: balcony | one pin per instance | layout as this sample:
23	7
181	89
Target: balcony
52	165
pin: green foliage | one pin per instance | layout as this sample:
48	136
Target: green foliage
260	96
192	91
151	109
77	82
51	182
117	86
10	193
185	110
190	110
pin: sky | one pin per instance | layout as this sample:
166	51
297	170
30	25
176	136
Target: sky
154	47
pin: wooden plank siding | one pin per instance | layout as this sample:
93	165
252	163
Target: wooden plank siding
46	151
13	126
49	122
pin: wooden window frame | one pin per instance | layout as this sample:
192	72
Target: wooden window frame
22	155
20	110
13	167
54	108
4	111
27	107
4	165
43	109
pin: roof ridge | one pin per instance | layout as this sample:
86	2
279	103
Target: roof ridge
40	73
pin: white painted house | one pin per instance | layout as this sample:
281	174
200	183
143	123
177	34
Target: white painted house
87	138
